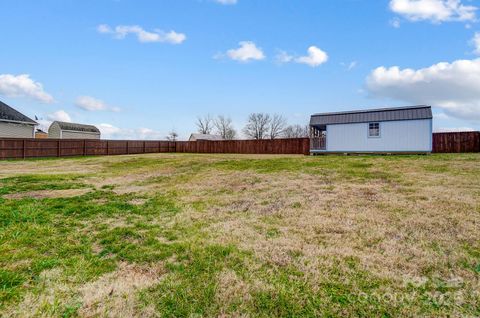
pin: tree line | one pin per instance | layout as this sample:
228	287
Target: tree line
258	126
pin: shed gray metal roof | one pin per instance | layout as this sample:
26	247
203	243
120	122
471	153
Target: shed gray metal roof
9	114
370	115
76	127
205	137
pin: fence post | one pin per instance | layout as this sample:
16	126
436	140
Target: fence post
23	154
58	147
107	149
84	147
128	152
144	146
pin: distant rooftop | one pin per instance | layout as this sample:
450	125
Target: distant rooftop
205	137
76	127
7	113
371	115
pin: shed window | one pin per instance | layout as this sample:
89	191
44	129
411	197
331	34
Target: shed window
374	130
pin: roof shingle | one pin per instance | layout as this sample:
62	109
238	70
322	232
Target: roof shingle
7	113
77	127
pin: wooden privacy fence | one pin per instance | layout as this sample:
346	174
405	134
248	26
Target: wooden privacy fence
35	148
266	146
456	142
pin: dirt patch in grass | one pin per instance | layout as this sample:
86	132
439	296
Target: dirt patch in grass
115	294
36	304
50	166
137	201
42	194
231	291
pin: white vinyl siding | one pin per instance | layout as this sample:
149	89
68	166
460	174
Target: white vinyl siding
54	131
401	136
67	134
16	130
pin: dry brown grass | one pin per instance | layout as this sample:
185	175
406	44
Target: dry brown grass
115	294
391	227
41	194
402	220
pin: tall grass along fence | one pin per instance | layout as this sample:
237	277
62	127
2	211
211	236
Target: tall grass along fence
456	142
36	148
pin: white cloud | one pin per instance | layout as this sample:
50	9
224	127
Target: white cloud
104	28
454	129
59	115
453	87
121	31
315	57
23	86
226	1
441	116
349	66
395	22
436	11
246	52
284	57
352	65
476	43
109	131
92	104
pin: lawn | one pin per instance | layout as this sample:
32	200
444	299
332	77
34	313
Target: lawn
181	235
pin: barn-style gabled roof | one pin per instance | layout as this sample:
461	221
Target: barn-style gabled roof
7	113
372	115
77	127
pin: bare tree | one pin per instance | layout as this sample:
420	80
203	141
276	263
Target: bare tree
257	126
204	125
277	126
296	131
172	136
224	127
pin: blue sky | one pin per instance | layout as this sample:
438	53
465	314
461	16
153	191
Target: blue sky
139	69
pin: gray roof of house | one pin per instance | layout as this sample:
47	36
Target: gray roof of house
369	115
76	127
205	137
10	114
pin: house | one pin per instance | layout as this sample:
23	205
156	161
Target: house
385	130
196	137
40	134
14	124
63	130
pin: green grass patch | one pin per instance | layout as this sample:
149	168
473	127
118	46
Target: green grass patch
40	182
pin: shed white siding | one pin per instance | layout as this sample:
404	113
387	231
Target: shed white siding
395	136
66	134
54	131
16	130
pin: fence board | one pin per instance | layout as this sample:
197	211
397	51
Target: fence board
456	142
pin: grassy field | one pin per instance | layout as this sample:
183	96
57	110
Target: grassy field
179	235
